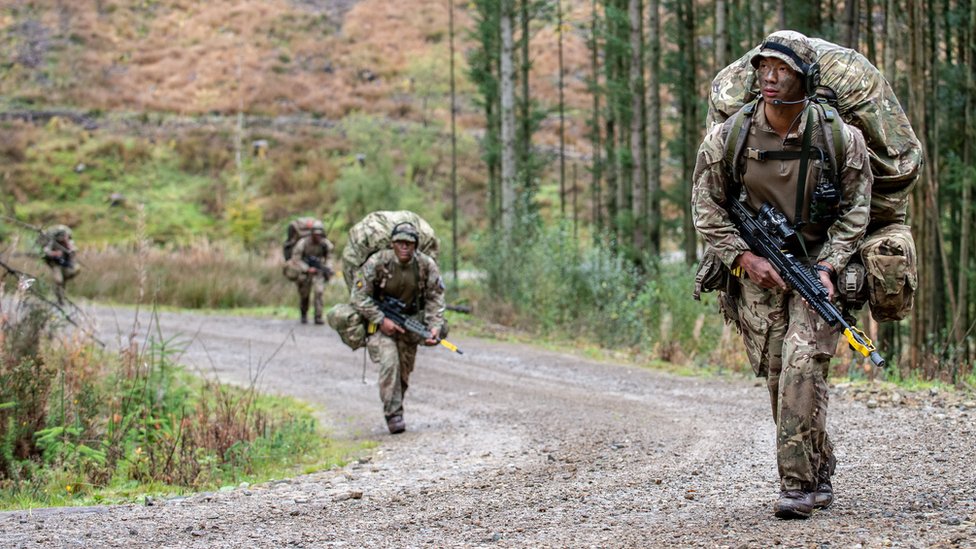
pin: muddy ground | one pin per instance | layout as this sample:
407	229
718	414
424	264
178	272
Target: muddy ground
512	446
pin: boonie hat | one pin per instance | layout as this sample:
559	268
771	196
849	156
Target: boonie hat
405	232
791	47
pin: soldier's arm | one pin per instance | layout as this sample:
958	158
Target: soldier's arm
710	191
361	296
845	234
434	303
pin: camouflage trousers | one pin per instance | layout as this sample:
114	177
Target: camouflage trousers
791	346
59	276
395	357
311	286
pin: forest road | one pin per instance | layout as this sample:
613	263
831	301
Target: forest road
512	446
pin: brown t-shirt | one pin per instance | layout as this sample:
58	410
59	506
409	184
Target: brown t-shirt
775	181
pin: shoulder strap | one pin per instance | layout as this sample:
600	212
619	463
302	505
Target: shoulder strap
836	148
736	140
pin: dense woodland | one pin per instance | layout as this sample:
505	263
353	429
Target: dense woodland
650	66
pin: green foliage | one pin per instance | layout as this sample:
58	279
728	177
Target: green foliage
563	286
385	180
123	424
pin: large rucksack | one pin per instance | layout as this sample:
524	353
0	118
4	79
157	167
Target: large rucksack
298	228
372	234
884	272
367	237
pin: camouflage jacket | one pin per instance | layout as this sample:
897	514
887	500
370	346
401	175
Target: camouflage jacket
712	188
371	278
305	248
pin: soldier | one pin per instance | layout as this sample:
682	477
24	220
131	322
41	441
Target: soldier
786	341
311	268
411	276
59	254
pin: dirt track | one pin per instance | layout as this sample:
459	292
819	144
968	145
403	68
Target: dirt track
511	446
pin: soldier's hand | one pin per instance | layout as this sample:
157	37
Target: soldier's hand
312	270
433	339
828	283
390	328
761	271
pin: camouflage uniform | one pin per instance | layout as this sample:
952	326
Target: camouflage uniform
59	254
418	283
785	340
311	282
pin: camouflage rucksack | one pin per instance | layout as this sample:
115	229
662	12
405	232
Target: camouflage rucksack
372	234
348	323
864	99
297	229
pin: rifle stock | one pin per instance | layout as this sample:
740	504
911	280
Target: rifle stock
760	233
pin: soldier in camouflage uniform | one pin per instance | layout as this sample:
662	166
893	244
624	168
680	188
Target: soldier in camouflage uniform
59	255
786	341
412	277
311	267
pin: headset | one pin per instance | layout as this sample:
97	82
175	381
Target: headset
811	72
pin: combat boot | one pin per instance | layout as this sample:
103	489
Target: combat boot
318	320
793	504
396	424
824	495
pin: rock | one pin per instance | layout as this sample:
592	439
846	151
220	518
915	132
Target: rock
872	404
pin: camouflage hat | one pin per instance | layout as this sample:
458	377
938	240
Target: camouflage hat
405	232
791	47
318	228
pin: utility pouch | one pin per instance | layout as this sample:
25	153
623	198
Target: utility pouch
712	274
290	272
349	324
889	258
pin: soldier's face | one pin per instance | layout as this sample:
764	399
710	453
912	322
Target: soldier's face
404	250
778	80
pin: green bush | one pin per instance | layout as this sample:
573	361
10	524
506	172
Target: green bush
552	283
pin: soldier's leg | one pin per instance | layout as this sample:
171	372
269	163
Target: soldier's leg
57	280
304	289
408	356
801	434
318	289
763	320
383	351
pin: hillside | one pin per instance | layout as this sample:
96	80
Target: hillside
154	88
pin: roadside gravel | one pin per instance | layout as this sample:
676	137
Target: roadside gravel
512	446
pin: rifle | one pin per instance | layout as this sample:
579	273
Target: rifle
769	235
394	309
315	262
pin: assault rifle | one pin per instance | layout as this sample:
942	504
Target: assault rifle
315	262
394	309
770	235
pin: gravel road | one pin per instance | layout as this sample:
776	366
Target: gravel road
512	446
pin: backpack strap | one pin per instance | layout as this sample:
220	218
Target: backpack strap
836	147
735	141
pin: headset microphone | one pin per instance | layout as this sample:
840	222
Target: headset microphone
797	102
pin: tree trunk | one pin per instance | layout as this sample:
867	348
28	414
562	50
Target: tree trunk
595	128
850	23
690	123
638	139
525	103
721	36
507	94
454	195
562	113
654	128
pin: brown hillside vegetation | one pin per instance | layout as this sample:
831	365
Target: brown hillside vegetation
322	57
